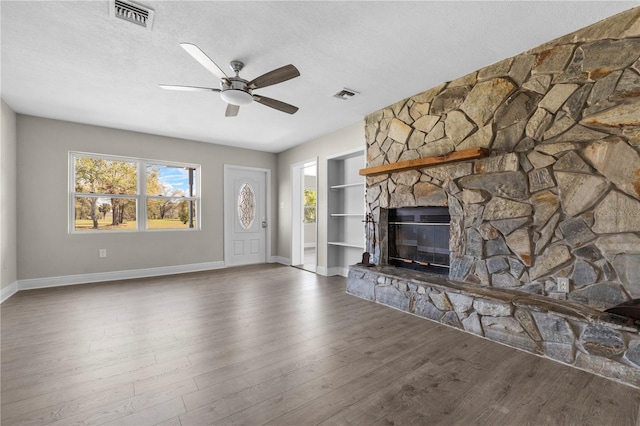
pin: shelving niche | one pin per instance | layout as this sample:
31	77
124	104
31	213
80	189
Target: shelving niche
345	212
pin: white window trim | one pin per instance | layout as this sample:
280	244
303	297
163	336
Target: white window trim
141	197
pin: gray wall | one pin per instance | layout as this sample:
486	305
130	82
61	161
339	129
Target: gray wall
8	240
340	141
45	247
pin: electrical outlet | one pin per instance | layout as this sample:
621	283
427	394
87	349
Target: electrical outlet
102	252
563	285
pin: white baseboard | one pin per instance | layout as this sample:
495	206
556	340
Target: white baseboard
33	283
280	259
8	291
328	272
338	270
321	270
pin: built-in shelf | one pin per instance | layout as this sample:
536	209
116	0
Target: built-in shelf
343	244
346	211
347	185
419	163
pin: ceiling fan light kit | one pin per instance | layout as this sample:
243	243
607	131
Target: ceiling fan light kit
236	91
236	96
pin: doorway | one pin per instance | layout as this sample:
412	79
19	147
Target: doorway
305	215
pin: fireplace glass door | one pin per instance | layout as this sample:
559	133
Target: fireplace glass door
419	238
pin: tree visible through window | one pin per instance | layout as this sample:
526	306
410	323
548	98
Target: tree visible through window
107	194
167	188
310	206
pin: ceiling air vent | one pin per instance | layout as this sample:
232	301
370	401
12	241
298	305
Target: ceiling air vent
345	94
132	12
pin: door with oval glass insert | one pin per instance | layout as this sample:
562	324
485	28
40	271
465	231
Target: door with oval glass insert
245	218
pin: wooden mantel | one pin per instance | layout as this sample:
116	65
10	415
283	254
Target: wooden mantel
418	163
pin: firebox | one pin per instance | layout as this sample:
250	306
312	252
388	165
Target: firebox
419	238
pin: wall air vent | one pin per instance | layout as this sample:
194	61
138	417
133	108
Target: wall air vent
132	12
345	94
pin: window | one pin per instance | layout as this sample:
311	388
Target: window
309	206
107	194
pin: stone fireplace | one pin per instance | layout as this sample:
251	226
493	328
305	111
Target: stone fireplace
557	198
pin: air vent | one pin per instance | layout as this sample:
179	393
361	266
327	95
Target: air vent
132	12
345	94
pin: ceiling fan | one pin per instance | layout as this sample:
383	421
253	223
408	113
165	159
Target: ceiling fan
236	91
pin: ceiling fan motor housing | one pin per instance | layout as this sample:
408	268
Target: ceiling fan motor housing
236	92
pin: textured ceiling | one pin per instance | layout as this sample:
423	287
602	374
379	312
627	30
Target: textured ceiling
72	61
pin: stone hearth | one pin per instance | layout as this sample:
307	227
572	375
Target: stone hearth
566	332
558	197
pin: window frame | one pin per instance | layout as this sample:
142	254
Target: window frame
140	196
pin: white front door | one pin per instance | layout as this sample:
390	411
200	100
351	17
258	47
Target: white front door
245	215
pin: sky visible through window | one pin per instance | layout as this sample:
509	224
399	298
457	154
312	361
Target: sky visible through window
174	178
177	178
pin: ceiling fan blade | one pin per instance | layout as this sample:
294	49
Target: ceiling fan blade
188	88
204	60
274	77
232	110
275	104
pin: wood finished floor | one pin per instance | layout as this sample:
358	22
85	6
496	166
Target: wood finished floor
273	345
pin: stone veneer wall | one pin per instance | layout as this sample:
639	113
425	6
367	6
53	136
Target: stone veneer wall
560	194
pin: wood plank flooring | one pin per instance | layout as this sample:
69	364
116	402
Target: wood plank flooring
270	344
